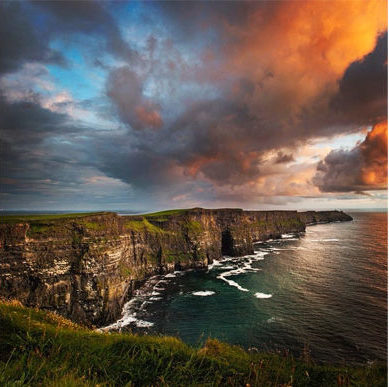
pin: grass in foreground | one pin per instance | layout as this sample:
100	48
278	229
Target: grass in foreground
40	348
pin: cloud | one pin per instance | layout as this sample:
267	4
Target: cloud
363	88
47	160
126	91
363	168
90	17
190	17
28	157
222	141
21	42
27	122
283	158
216	116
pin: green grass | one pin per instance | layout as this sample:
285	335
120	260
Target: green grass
142	224
42	349
37	228
45	217
94	226
194	227
167	213
293	222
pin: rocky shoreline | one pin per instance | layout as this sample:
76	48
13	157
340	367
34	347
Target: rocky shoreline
86	267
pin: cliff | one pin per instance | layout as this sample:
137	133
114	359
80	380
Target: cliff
85	266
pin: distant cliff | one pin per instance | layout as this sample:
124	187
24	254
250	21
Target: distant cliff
85	266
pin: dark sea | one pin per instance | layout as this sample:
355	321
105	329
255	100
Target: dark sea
322	291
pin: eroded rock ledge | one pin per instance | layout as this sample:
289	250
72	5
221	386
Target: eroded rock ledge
85	267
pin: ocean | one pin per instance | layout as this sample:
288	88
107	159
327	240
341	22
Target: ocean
322	293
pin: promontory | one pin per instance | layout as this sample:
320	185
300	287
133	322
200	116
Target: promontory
86	266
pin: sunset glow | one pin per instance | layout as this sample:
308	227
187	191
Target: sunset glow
177	104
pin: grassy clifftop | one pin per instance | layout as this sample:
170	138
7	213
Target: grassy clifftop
40	348
47	217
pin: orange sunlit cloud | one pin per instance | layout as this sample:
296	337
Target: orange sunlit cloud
291	56
224	102
297	50
375	154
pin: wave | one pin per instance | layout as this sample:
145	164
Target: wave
287	236
287	248
143	324
214	264
262	295
274	319
243	265
233	283
129	317
325	240
260	255
240	270
204	293
144	304
136	307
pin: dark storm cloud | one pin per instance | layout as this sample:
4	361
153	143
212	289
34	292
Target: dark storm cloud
249	85
20	42
32	154
50	159
221	140
28	122
283	158
126	91
90	16
363	88
365	167
272	106
340	172
218	140
362	98
144	169
190	17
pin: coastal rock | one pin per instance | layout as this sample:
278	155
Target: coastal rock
86	267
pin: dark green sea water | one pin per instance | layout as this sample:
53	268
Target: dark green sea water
325	290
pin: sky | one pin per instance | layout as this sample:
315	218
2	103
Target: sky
143	106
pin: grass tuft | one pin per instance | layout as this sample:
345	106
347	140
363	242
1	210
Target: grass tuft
143	224
40	348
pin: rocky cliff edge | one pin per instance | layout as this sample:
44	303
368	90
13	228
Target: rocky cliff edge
85	266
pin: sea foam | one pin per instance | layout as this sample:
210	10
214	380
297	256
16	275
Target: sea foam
285	236
325	240
203	293
262	295
233	283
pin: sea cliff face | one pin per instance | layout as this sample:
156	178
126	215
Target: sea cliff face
86	266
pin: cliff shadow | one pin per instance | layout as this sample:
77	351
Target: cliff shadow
227	243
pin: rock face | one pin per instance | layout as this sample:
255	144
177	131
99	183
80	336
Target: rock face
315	217
86	267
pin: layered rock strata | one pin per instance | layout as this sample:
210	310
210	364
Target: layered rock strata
86	266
